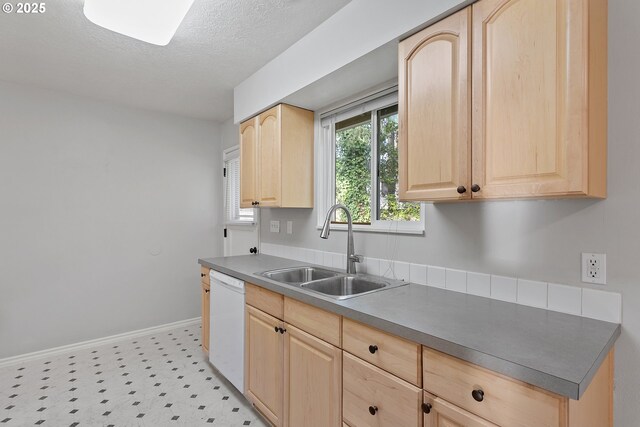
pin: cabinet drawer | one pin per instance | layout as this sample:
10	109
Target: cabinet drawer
312	320
394	402
505	401
265	300
391	353
440	413
204	274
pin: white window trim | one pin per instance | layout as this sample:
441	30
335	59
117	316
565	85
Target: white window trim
325	166
230	154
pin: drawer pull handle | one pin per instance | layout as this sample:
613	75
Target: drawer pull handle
478	395
373	349
373	410
426	408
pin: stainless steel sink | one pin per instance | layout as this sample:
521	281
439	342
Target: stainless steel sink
346	286
330	283
299	275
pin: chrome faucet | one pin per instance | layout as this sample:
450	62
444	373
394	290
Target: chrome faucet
352	258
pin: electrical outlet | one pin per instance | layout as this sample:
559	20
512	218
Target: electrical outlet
275	226
594	268
289	227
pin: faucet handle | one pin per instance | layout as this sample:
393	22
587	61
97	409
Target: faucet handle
355	258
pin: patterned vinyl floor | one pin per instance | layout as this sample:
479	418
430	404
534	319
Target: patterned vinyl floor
156	380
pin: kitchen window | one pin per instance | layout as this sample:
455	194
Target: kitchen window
358	167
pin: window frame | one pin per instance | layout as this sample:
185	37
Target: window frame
228	155
325	165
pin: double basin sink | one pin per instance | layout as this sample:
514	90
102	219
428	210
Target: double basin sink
328	282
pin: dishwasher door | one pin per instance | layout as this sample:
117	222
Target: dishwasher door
226	346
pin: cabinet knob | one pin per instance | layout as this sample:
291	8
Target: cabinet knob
282	330
426	408
206	291
373	349
461	189
253	250
475	188
276	329
373	410
202	274
478	395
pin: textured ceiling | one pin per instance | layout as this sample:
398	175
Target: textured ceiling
219	44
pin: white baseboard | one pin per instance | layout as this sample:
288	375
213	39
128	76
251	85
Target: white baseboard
21	358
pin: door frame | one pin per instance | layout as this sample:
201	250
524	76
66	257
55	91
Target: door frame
249	227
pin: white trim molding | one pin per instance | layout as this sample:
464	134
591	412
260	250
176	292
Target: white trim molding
27	357
325	172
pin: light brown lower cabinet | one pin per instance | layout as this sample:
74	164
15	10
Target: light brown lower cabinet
312	381
264	358
373	397
206	298
440	413
292	377
508	402
296	378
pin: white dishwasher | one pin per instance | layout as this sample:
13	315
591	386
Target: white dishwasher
226	346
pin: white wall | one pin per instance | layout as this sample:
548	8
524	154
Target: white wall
229	134
357	29
104	211
540	239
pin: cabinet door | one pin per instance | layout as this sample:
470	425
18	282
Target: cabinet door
269	159
374	398
434	110
248	163
264	357
206	299
312	381
440	413
530	97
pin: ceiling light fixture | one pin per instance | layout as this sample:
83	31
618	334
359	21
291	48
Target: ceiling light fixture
152	21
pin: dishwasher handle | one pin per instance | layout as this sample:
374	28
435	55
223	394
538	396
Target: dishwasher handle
229	282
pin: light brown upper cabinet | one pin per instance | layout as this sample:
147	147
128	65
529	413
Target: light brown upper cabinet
248	162
538	104
276	159
434	109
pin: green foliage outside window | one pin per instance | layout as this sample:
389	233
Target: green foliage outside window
353	169
353	174
389	208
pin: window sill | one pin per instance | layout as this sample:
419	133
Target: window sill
393	229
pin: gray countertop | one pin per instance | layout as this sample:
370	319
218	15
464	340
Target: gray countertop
555	351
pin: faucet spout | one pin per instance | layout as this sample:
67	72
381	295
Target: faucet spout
352	258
